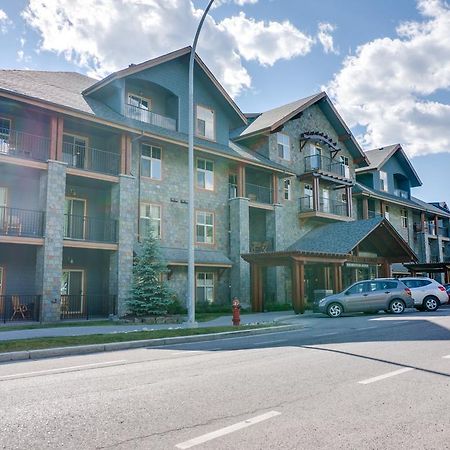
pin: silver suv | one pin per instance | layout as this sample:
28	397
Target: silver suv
371	296
428	293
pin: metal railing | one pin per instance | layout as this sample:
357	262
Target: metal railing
87	228
21	222
86	306
326	164
89	158
326	205
259	194
24	145
401	193
19	308
261	246
143	115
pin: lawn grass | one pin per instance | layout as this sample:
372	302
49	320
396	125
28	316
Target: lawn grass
66	341
84	323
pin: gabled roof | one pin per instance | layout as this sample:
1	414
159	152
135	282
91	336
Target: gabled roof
271	120
341	238
378	157
135	68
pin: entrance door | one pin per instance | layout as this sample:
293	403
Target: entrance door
74	214
72	292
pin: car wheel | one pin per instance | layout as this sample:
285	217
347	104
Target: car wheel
335	310
396	306
430	304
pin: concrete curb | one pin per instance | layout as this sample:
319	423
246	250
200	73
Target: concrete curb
115	346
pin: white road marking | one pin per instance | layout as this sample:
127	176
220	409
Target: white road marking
62	369
227	430
270	342
325	334
365	328
386	375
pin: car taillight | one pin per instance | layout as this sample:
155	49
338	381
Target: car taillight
442	288
408	291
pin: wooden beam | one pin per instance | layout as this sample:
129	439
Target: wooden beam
59	139
123	153
275	188
298	286
241	181
256	283
53	136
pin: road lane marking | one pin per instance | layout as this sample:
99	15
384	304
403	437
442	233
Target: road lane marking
62	369
227	430
326	334
386	375
365	328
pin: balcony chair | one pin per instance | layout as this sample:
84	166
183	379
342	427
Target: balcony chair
18	308
13	226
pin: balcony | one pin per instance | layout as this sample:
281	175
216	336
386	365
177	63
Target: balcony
86	306
261	246
143	115
23	145
21	222
93	159
19	308
401	193
258	194
84	228
315	163
328	208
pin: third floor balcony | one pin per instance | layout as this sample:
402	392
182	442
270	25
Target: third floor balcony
320	163
147	116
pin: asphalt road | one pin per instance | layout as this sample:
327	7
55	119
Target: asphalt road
362	382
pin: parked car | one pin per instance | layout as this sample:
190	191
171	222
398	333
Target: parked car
370	296
447	288
428	294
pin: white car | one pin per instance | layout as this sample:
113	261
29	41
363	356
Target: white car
428	294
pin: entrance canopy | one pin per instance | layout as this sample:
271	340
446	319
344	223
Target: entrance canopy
429	268
371	241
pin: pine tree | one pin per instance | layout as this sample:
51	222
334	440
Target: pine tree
150	295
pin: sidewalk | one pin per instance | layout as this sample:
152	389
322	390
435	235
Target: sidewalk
246	319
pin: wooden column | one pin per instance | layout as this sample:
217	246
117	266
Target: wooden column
257	288
316	193
336	275
123	153
340	282
382	210
365	206
423	220
59	138
241	181
298	286
387	273
275	188
348	192
53	137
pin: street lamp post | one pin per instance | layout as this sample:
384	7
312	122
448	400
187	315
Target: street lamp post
191	224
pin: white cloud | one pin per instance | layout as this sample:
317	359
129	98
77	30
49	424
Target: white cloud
392	86
102	36
4	22
266	42
325	37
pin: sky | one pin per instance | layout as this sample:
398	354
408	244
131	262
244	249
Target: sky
385	64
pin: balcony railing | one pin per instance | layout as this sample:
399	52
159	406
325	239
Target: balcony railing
326	164
93	159
232	190
143	115
401	193
86	306
23	145
19	308
326	205
86	228
21	222
261	246
259	194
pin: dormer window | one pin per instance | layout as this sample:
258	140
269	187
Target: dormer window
205	123
283	144
383	181
139	102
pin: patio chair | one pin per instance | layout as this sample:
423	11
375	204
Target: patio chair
18	308
14	226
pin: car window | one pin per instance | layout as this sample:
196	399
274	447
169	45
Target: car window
411	283
422	283
382	285
356	289
372	286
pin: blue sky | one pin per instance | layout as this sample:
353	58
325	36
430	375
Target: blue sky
385	64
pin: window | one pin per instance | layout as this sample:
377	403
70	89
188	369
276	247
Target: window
404	218
205	287
313	159
308	196
150	219
345	166
383	181
205	123
284	150
139	102
5	127
205	227
287	189
232	184
386	212
205	174
151	162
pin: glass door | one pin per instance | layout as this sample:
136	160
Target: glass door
72	292
314	157
74	215
74	150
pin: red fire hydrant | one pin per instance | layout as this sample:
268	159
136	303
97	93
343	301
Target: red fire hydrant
236	311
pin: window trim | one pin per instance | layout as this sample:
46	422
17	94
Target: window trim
150	158
141	97
160	206
199	211
214	138
200	188
204	287
288	147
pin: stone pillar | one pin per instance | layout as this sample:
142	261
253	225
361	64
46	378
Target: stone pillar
123	207
239	244
49	258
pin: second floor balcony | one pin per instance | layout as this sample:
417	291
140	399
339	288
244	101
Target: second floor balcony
21	222
147	116
24	145
85	228
314	163
327	208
